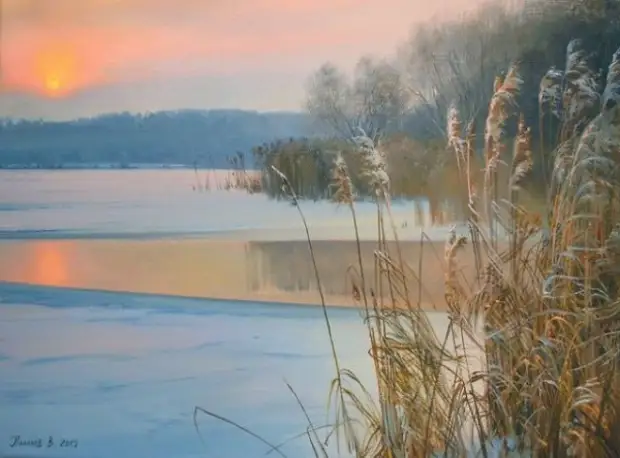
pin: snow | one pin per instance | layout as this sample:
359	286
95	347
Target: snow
157	203
122	373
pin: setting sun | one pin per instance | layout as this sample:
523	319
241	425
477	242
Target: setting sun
52	84
57	69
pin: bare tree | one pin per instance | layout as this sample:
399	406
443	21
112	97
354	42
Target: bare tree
457	62
374	100
329	100
381	100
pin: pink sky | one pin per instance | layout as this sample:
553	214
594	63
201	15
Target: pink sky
70	58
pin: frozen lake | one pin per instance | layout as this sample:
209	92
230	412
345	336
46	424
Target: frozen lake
119	374
157	203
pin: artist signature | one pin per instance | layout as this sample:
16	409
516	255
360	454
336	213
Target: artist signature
40	442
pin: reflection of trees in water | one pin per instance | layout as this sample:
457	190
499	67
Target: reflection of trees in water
281	265
438	211
286	266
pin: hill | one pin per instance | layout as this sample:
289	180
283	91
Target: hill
205	138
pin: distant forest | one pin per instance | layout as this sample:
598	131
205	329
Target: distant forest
188	137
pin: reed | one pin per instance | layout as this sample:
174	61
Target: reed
542	316
529	363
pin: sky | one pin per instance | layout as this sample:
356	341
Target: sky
64	59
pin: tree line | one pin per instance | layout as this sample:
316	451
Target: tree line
406	100
190	138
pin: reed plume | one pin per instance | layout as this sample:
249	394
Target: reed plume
374	167
455	140
503	102
581	89
341	182
550	93
522	159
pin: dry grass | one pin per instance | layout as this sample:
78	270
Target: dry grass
542	314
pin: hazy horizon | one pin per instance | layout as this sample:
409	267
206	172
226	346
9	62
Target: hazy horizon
64	59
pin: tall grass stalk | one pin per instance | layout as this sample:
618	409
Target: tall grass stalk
541	320
337	385
547	299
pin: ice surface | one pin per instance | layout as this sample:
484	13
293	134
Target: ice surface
122	373
152	203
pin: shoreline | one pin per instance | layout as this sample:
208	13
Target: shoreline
263	299
325	233
275	299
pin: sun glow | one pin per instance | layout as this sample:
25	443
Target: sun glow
50	266
52	85
57	71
